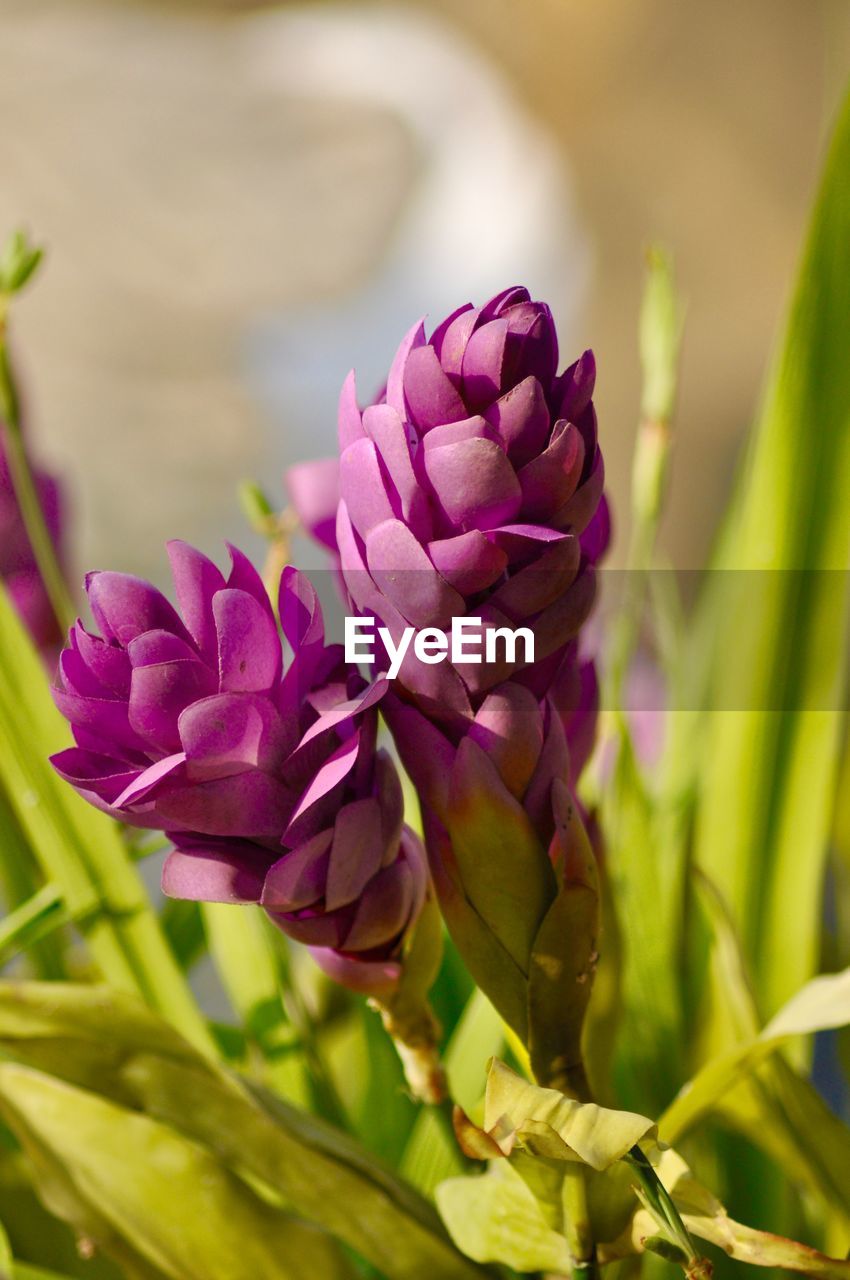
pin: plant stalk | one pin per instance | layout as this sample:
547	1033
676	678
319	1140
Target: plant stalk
24	485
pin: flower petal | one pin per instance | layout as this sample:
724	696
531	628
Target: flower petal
124	606
214	873
249	652
474	483
431	398
196	580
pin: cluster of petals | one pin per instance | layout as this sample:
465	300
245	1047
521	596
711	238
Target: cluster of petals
263	773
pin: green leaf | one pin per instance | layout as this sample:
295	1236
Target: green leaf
547	1123
431	1155
495	1218
240	944
5	1255
780	623
822	1004
166	1197
705	1216
31	921
127	1052
78	848
785	1116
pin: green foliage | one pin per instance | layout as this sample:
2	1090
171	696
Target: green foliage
139	1083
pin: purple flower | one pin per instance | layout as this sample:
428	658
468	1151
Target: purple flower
264	776
18	567
466	489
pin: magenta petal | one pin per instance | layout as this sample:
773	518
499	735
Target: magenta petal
553	764
160	692
314	491
350	425
474	428
597	535
196	580
362	482
232	732
450	341
469	562
575	387
251	805
244	577
77	677
87	771
367	977
300	611
346	710
297	880
483	363
125	606
499	303
414	338
249	652
509	729
107	662
521	420
214	874
521	541
107	717
153	647
579	510
384	910
550	479
431	398
335	769
142	784
540	583
383	426
427	754
474	483
401	568
391	800
356	853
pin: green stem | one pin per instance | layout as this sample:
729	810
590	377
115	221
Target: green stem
25	489
577	1228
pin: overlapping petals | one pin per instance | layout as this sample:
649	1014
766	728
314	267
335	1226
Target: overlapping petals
467	490
264	775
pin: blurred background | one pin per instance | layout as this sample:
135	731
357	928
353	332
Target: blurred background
241	201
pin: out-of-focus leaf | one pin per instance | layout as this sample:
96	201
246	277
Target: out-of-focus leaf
646	877
823	1003
547	1123
495	1218
20	879
241	948
79	849
31	921
785	1116
5	1255
780	624
126	1051
165	1196
432	1154
184	930
23	1271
